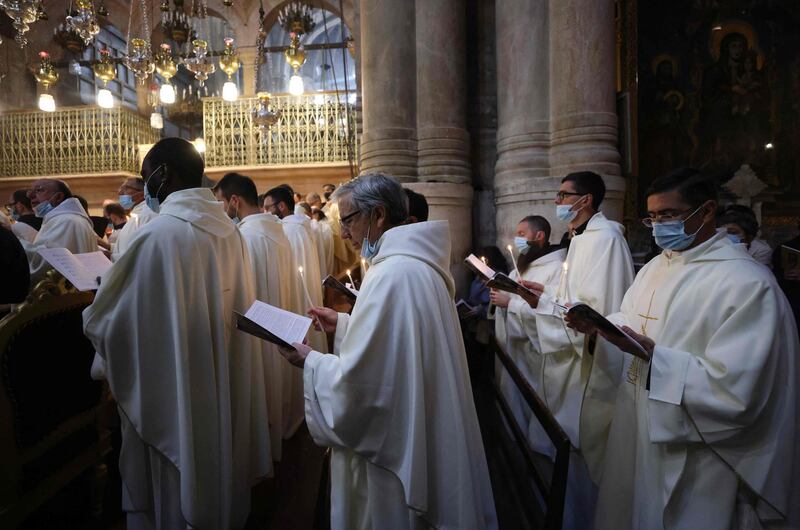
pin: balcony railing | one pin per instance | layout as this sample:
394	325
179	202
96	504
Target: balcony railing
77	140
311	129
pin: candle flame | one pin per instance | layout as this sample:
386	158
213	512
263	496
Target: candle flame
483	259
300	269
566	266
509	247
348	272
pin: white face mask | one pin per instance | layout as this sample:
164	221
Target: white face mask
368	250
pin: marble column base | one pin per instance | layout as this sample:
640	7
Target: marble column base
390	150
443	155
584	141
451	202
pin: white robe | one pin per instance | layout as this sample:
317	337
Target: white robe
24	232
140	215
277	284
516	327
325	246
719	422
190	387
65	226
395	403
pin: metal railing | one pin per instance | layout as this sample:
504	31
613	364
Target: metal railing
552	491
311	129
73	140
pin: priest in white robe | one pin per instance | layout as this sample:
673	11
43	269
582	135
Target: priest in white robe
323	239
395	402
279	202
277	284
65	224
704	432
515	322
131	197
598	270
189	386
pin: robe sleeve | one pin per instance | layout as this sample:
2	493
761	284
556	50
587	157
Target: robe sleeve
720	389
341	330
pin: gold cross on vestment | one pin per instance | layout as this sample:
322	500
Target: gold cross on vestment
648	317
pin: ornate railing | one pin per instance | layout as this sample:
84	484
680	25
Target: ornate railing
72	141
311	129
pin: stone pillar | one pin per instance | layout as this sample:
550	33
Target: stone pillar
583	95
248	57
388	86
443	141
523	138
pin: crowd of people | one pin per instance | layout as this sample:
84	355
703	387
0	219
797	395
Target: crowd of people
682	415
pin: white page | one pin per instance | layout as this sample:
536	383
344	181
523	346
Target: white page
480	265
71	266
96	263
352	289
288	326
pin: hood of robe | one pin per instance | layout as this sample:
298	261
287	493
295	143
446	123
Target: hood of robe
718	248
200	208
298	220
265	223
69	206
428	242
600	222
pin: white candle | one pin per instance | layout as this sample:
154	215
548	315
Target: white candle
352	283
560	294
364	264
305	287
514	261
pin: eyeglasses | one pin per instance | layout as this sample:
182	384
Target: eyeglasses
666	216
561	195
347	220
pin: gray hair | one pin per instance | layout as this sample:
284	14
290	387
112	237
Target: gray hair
376	189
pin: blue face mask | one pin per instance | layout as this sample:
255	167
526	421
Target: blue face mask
152	202
671	235
15	216
736	240
126	201
564	213
368	250
43	208
522	245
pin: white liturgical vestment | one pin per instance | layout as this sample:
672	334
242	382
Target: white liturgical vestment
705	435
277	284
515	327
395	401
190	387
140	215
65	226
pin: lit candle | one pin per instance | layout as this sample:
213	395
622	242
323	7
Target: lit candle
364	265
560	293
352	283
483	259
514	261
305	287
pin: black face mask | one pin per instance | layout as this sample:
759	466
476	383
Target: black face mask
534	252
327	195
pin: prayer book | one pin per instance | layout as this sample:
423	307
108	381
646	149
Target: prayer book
273	324
465	310
790	258
584	312
338	286
83	271
497	280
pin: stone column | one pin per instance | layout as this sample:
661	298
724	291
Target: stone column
388	85
583	94
443	148
248	57
523	138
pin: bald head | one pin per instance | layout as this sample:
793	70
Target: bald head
172	164
53	191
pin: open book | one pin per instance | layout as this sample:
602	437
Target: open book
338	286
583	312
464	309
273	324
497	280
81	270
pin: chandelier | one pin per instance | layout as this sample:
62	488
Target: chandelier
68	38
47	76
229	63
83	21
263	115
199	63
23	13
166	68
105	70
188	110
175	23
296	18
140	57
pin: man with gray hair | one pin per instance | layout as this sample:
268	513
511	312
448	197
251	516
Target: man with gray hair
394	400
131	197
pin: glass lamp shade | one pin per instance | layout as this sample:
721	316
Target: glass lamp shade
156	121
230	92
104	98
200	145
47	103
296	87
167	94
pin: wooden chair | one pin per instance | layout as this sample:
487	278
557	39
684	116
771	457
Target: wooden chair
50	409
